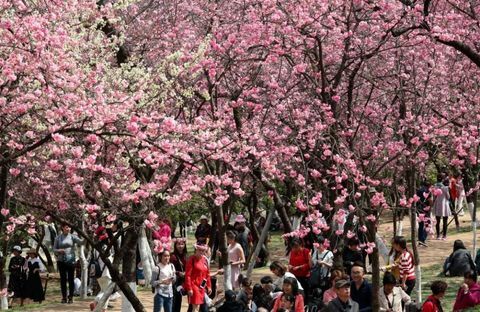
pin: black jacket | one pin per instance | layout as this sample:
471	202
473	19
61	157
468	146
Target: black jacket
459	262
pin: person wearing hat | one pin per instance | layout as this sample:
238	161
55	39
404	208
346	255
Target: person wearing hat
203	231
343	302
231	304
33	286
243	237
197	278
17	275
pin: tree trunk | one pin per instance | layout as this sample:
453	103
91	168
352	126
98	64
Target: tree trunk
146	256
371	227
261	241
410	179
84	266
222	247
3	201
130	301
474	225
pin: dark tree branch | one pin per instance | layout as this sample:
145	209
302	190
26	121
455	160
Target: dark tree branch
464	48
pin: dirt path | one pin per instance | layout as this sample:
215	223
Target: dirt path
435	253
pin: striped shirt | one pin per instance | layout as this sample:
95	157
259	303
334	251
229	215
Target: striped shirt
407	268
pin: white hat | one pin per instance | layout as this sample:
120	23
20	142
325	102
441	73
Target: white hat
203	217
17	248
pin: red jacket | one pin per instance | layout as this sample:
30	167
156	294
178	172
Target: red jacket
195	272
300	258
432	304
469	299
299	304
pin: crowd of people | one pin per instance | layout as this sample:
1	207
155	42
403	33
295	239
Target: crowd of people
312	279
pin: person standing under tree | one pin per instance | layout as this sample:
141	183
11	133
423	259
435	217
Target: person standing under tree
441	206
17	275
406	265
197	278
179	261
64	249
33	286
163	277
423	212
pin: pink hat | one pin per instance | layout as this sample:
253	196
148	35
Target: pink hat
240	219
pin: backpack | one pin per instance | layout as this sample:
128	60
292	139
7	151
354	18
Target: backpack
95	269
412	307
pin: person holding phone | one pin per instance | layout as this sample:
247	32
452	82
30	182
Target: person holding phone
163	277
197	278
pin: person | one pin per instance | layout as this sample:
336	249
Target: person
179	261
406	265
361	290
203	230
453	192
433	304
468	296
64	249
393	261
391	297
245	296
331	293
163	277
197	278
33	285
290	299
322	259
140	274
461	197
230	304
261	297
459	261
243	234
343	302
351	254
280	270
299	263
441	206
105	279
236	258
17	275
163	231
423	212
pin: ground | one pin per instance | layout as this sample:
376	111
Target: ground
432	259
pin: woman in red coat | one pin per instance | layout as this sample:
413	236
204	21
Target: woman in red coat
299	264
197	277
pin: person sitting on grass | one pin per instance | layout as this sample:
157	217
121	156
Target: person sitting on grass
390	296
231	304
291	299
459	261
361	289
343	302
433	304
468	295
